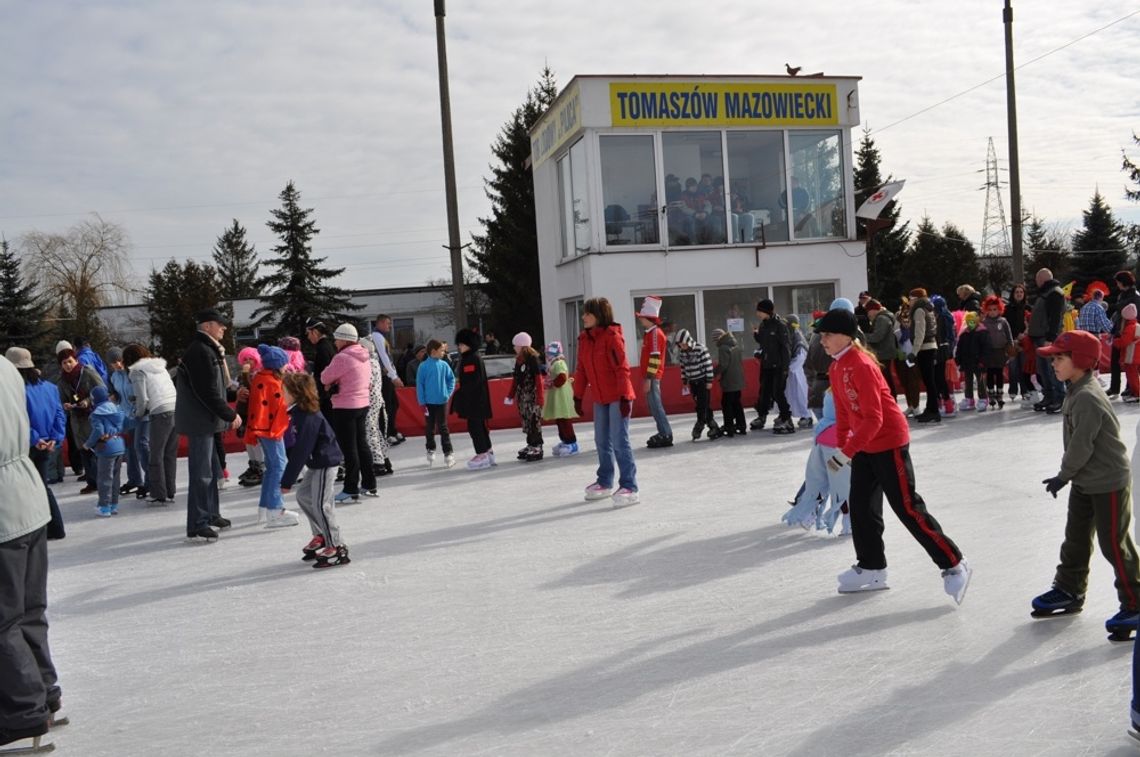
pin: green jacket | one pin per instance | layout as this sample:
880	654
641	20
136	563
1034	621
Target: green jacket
1095	460
559	399
23	502
729	366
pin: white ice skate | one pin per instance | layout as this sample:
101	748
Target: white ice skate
280	518
596	491
983	406
1030	399
449	460
430	459
857	579
966	404
955	580
479	462
625	497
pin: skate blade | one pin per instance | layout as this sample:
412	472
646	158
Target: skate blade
1046	614
863	589
1134	733
38	746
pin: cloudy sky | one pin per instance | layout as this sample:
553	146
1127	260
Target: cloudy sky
173	118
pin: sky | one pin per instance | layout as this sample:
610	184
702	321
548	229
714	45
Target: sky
174	118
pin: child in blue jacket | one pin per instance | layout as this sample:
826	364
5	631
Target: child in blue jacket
435	382
106	441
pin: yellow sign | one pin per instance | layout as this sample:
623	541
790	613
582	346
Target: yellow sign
559	124
698	103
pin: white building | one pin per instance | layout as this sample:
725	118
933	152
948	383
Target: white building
679	186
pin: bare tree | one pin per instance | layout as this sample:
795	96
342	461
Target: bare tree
478	303
80	271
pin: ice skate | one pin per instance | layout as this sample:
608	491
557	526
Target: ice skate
983	406
566	450
966	404
1121	625
659	441
758	423
1055	603
252	474
385	469
309	551
479	462
857	579
430	458
205	534
103	511
625	497
846	530
449	460
783	427
280	518
344	498
533	454
157	501
523	451
806	422
373	493
910	412
957	579
330	557
219	522
1029	399
58	717
698	430
25	740
596	491
715	432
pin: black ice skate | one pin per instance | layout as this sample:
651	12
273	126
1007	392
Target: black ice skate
1121	625
715	432
533	454
25	740
330	557
1055	603
206	534
758	422
252	475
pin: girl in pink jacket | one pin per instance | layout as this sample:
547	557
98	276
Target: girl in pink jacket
347	378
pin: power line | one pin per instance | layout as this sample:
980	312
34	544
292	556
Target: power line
1002	75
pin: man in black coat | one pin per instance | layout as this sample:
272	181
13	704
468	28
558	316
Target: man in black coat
200	411
774	345
1044	326
318	335
1126	295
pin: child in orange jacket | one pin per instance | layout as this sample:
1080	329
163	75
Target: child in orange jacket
267	421
1129	354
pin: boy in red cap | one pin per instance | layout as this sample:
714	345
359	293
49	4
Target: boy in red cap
1096	464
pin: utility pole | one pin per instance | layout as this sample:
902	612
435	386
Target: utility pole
453	245
1014	167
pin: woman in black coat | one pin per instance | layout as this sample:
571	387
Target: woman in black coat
472	398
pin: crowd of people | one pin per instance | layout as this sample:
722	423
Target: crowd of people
308	425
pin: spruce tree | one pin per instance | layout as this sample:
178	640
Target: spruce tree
940	261
506	254
235	261
886	253
22	308
1045	249
298	287
1098	246
173	296
1133	170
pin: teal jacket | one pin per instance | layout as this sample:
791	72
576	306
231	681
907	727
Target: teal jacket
435	382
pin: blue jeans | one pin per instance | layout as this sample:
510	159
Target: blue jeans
1053	389
657	408
107	478
611	437
274	450
202	493
141	451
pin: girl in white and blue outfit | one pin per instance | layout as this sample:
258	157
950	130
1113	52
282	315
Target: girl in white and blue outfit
822	484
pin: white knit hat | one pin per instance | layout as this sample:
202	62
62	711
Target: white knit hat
346	332
522	339
62	345
650	308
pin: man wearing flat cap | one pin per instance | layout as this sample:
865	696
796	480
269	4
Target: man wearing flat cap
200	411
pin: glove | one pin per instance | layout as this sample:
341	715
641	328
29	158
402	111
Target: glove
837	461
1054	485
626	408
910	357
578	406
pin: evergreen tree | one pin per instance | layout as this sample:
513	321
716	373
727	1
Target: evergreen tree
506	254
1098	247
173	296
22	309
940	261
235	261
1046	249
298	288
886	253
1133	171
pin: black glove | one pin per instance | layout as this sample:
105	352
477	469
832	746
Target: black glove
578	406
626	408
1054	485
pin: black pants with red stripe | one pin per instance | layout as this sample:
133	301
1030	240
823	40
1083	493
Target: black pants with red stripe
1110	516
892	472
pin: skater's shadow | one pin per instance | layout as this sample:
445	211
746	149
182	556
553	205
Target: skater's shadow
611	683
652	566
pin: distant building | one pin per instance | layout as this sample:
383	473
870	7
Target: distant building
714	192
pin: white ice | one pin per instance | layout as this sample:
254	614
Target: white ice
497	613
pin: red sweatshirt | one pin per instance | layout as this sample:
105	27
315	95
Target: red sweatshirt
867	417
654	345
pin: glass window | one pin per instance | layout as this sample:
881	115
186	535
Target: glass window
680	309
574	193
819	207
756	179
403	333
802	299
694	187
629	190
733	310
571	328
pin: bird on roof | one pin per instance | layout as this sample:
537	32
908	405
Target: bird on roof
792	71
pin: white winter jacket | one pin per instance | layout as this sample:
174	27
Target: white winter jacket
154	389
23	497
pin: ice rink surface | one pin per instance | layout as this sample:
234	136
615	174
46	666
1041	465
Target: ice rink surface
497	613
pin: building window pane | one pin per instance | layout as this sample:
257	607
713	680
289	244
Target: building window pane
565	192
680	309
734	310
803	299
581	196
694	187
756	183
629	190
571	328
819	207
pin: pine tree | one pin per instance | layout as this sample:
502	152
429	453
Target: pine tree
1098	247
886	253
22	308
1129	167
173	296
940	261
1046	249
298	289
506	254
235	261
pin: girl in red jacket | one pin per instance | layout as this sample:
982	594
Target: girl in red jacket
875	440
602	365
266	422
